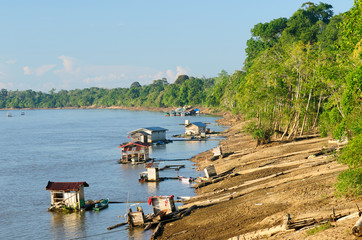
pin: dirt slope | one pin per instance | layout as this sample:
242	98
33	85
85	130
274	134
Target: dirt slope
267	183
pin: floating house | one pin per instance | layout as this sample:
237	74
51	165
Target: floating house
134	152
162	204
70	194
154	134
195	128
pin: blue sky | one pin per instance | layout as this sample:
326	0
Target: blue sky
85	43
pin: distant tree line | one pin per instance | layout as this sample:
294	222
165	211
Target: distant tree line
302	74
185	91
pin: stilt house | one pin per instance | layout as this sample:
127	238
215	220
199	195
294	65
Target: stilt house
134	152
70	194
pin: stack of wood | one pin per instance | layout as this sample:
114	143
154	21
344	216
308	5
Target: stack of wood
305	222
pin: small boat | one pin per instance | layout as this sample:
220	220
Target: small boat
143	177
101	205
186	179
22	113
9	115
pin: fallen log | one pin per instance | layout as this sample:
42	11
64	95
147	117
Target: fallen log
148	226
116	226
157	231
357	228
187	211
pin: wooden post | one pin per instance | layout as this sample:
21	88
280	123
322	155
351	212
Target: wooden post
286	221
357	228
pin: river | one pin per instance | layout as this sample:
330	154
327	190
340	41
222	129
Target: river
82	145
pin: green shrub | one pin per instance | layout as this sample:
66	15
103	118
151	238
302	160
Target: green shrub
349	183
261	134
352	154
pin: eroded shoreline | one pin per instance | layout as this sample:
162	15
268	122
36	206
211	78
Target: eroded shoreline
265	184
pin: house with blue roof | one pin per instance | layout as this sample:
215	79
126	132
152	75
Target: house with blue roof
194	128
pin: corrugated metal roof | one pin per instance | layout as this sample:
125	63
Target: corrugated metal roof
65	186
199	124
152	129
141	132
141	144
156	129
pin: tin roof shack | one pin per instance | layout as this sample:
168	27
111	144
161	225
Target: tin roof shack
195	128
69	194
155	133
162	205
134	152
139	136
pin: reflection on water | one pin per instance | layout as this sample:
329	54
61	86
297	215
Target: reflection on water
67	225
152	187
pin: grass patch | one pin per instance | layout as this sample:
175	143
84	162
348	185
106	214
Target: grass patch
319	228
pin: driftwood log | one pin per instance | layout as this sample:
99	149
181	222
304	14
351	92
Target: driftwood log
116	226
357	228
157	231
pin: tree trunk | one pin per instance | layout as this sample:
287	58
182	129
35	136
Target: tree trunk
357	228
306	112
319	107
295	126
286	130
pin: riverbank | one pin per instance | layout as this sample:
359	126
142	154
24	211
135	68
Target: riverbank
265	184
135	108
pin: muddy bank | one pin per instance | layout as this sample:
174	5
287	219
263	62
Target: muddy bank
265	184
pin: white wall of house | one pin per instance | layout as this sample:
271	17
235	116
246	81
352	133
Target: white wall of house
152	174
156	136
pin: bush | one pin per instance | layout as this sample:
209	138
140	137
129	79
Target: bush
261	134
349	183
352	154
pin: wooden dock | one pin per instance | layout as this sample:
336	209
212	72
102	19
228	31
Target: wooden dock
175	167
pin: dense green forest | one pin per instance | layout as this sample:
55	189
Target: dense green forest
301	74
185	91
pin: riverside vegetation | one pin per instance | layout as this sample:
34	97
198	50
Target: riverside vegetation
302	74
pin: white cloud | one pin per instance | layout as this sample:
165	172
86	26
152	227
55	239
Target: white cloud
11	61
171	75
43	69
67	63
2	85
181	71
27	70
